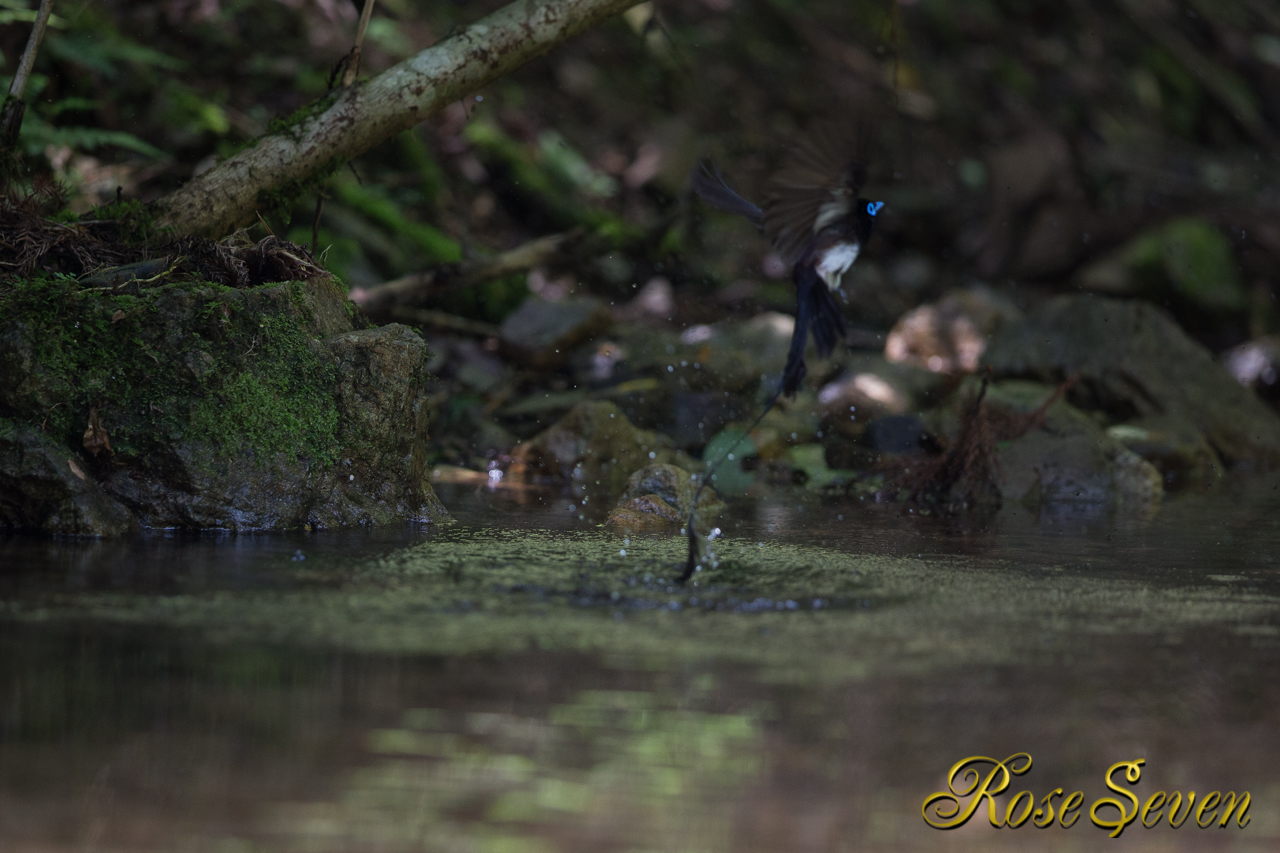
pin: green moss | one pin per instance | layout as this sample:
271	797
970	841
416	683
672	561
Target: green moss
279	402
267	414
291	123
280	199
137	225
239	377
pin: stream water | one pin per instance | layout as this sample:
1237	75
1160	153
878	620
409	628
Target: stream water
515	682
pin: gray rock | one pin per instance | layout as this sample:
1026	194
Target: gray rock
44	487
594	449
250	409
1133	361
1067	458
661	495
950	335
542	333
1175	447
871	386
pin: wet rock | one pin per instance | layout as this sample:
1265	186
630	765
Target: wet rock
594	449
847	454
733	357
951	334
1041	468
655	301
646	512
46	488
1132	362
895	434
249	409
1177	449
542	333
872	387
659	496
1067	459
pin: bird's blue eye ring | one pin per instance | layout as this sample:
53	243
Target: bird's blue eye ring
873	207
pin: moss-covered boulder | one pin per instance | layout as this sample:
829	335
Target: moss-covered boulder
1133	363
201	406
594	449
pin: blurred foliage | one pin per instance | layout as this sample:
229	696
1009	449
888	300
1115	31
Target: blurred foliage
1016	140
1191	258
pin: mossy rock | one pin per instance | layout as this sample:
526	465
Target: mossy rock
250	409
1132	362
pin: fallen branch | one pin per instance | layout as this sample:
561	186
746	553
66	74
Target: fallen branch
351	121
414	289
444	322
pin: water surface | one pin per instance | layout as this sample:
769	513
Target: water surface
514	682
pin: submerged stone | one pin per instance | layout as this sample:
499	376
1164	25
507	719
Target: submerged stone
661	495
594	449
248	409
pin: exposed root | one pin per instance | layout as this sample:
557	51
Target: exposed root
966	475
35	240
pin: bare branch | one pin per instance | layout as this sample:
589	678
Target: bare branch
14	106
361	116
353	59
19	84
411	290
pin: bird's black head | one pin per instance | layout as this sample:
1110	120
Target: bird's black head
864	217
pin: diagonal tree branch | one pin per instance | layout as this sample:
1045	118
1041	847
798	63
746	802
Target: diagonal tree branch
14	106
359	117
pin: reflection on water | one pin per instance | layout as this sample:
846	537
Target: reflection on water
632	730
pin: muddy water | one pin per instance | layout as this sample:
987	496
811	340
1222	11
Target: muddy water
535	689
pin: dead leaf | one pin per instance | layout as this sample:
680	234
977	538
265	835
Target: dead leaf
95	435
118	316
75	469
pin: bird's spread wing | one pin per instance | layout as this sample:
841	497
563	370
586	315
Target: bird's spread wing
711	188
816	185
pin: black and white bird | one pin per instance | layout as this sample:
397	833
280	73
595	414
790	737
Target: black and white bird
818	224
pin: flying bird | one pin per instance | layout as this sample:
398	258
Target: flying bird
818	224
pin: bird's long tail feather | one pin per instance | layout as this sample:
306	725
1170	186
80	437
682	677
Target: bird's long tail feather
816	309
710	186
698	542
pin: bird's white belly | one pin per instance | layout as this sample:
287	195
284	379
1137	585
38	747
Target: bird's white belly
835	262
